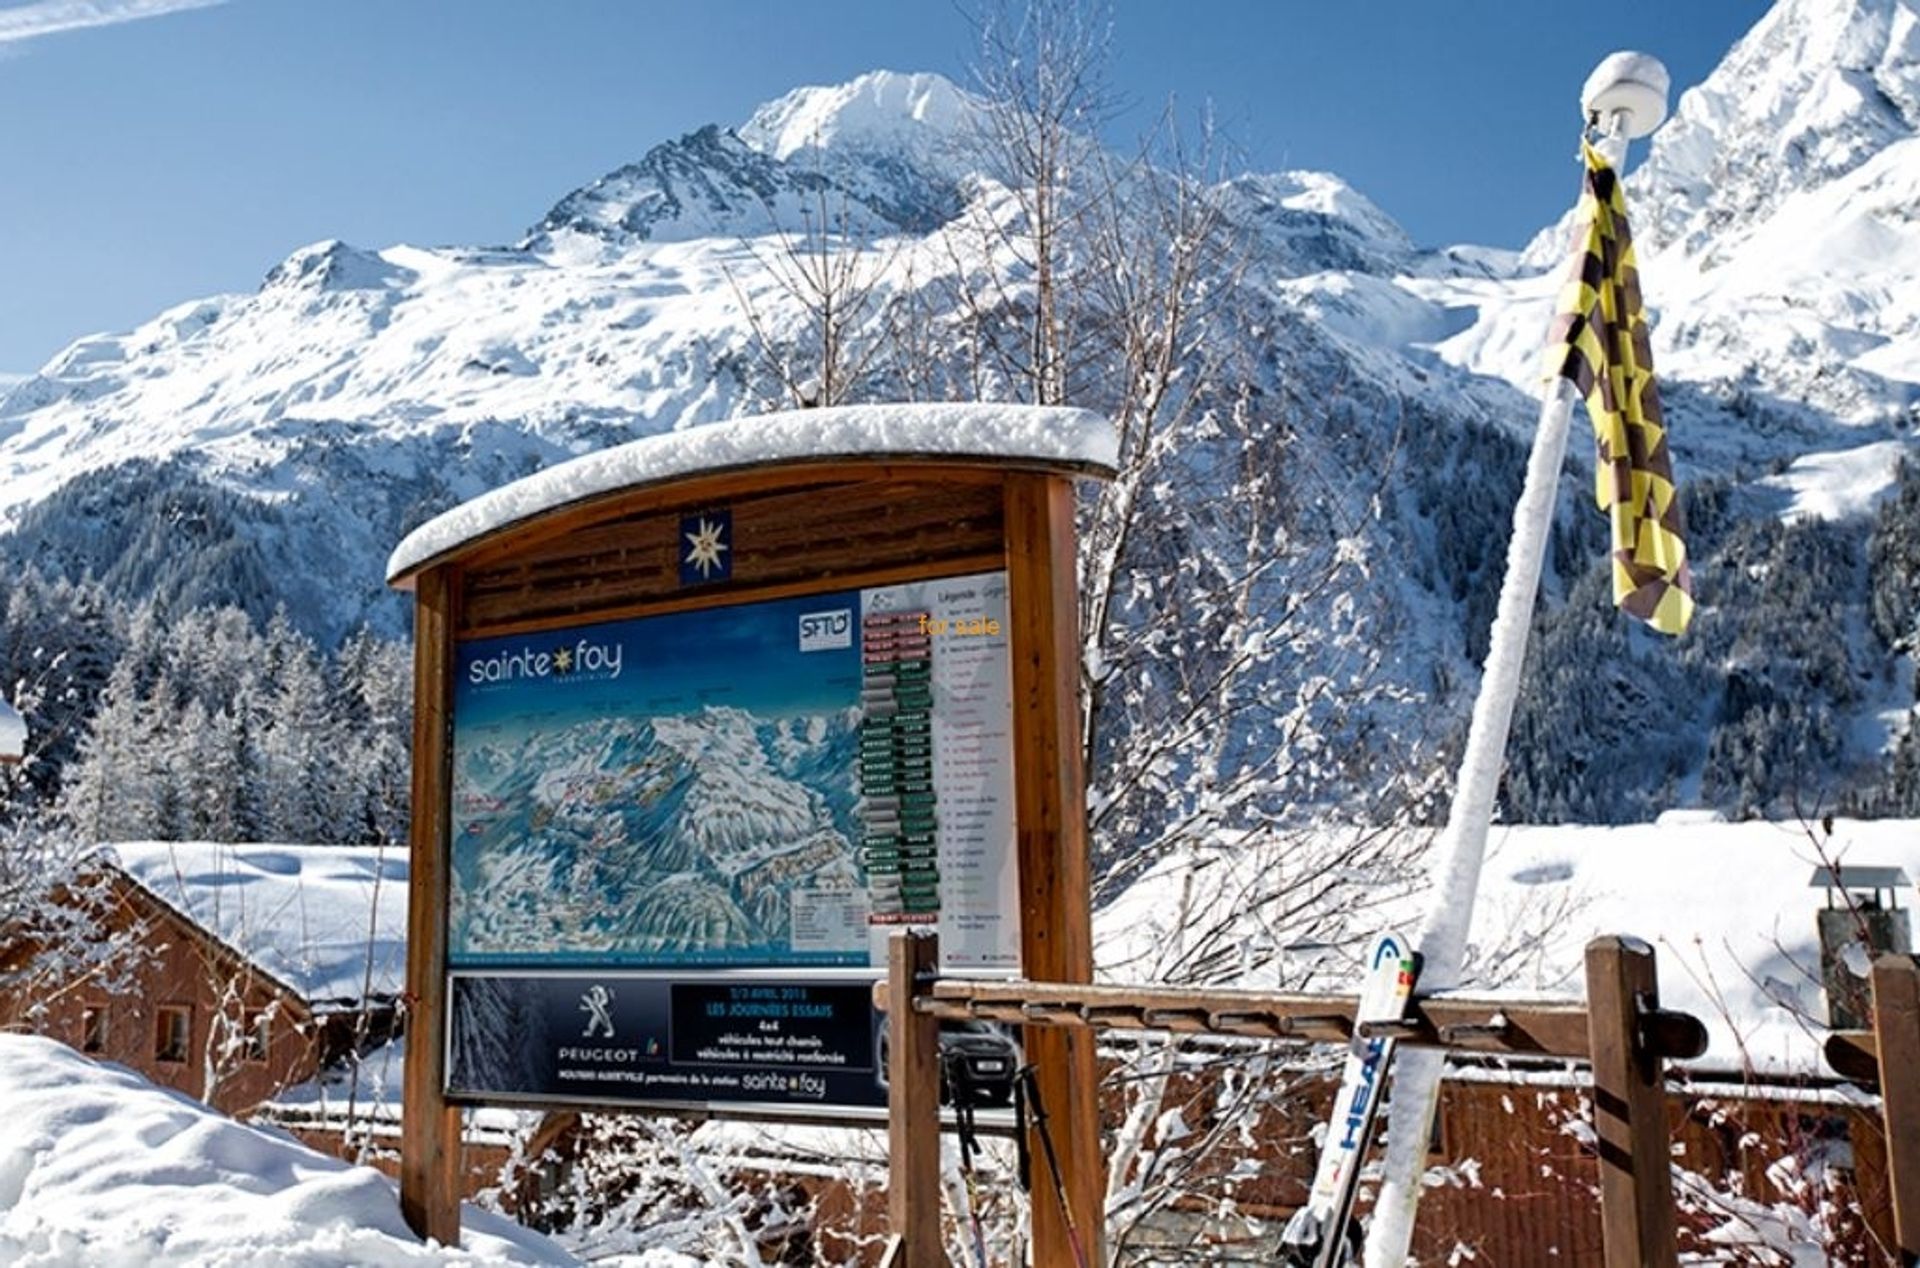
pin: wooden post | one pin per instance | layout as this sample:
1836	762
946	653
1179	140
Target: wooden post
1050	797
1896	1029
1629	1107
430	1128
913	1104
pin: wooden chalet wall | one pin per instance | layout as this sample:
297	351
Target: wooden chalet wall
177	965
1534	1201
1524	1190
1531	1199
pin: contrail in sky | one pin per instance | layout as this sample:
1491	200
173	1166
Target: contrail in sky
54	17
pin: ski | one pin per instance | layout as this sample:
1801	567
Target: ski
1318	1235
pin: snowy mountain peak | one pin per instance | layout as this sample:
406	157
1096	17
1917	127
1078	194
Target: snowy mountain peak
1315	221
333	265
1814	91
706	183
887	144
882	109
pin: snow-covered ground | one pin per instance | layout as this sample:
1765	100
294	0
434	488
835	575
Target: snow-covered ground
101	1169
1726	907
98	1167
369	1101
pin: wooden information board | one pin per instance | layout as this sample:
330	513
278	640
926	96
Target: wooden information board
699	721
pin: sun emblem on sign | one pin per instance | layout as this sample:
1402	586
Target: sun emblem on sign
563	660
704	546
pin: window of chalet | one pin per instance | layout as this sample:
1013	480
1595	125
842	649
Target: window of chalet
93	1028
259	1037
172	1033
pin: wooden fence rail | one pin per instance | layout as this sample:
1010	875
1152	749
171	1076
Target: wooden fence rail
1622	1032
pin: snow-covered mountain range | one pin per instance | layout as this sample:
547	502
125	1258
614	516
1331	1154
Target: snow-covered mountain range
293	434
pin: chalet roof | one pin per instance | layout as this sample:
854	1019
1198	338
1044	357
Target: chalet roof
1857	878
1072	440
1725	906
327	921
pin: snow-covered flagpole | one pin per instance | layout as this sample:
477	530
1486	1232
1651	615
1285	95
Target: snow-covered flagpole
1626	96
13	734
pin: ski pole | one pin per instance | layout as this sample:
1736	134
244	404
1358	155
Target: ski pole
1053	1164
969	1146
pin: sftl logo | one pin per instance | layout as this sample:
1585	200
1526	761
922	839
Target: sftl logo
568	660
826	631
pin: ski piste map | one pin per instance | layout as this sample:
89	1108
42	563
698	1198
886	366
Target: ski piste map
772	783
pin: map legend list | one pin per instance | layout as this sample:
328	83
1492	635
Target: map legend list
899	848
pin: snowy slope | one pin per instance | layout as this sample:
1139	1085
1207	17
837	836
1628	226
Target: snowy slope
13	732
510	358
359	392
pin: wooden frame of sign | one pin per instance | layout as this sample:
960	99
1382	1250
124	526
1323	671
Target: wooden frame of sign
818	501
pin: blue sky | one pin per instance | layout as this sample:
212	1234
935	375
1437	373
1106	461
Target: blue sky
152	160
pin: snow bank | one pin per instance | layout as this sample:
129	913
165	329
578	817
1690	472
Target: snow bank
1049	437
102	1169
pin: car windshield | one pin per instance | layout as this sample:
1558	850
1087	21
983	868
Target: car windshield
966	1026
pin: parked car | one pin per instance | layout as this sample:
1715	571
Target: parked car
978	1062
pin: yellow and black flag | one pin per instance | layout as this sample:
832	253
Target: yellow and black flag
1600	342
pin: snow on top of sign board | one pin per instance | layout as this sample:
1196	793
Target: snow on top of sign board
302	913
100	1167
1069	437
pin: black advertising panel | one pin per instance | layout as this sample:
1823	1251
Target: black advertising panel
728	1039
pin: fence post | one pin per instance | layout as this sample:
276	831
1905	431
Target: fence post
1896	1032
913	1105
1629	1107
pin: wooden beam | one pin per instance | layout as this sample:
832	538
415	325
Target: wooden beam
1629	1105
1050	802
1457	1022
913	1107
1896	1028
1854	1057
953	566
430	1128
